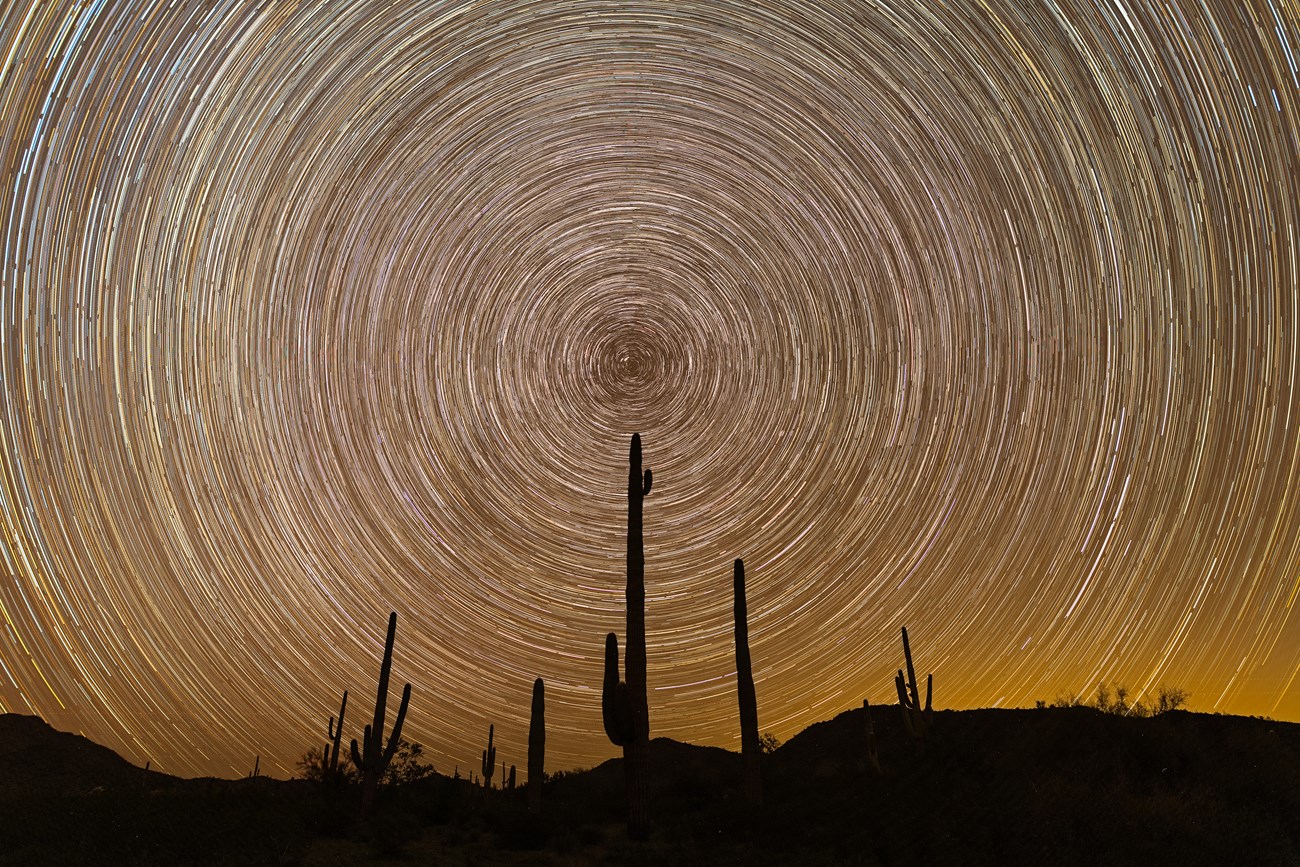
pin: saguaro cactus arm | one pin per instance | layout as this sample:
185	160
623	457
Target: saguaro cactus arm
331	759
615	702
909	696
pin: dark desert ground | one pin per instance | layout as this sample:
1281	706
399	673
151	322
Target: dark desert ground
1058	785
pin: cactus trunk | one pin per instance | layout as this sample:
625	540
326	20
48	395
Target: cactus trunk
749	745
336	734
873	757
636	754
537	747
915	720
624	704
372	756
490	760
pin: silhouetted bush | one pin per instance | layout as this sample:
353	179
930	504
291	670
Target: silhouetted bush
1114	699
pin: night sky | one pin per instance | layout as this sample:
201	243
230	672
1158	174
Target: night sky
979	318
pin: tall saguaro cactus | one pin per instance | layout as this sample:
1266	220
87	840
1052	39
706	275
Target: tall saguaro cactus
749	746
490	761
537	747
624	705
915	720
373	756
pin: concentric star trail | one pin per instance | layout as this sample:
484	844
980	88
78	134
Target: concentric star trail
979	318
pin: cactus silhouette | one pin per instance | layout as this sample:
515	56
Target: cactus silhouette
372	758
915	720
624	705
489	760
873	758
510	781
331	757
749	745
537	747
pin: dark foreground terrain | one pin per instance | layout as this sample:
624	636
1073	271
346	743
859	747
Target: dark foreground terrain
1065	785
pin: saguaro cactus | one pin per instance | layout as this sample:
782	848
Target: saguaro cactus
537	747
915	720
331	757
749	746
372	757
624	706
873	757
489	760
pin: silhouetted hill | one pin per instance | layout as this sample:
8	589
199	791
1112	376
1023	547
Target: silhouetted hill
1053	786
36	758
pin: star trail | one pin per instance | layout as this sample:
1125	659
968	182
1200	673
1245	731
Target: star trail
975	317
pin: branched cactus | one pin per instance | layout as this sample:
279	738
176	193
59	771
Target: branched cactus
624	705
489	760
749	744
915	720
537	747
331	758
371	758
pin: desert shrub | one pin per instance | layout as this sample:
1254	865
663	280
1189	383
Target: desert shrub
1114	699
406	766
312	767
1170	698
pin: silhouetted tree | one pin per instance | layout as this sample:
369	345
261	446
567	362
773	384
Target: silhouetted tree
407	765
1170	698
315	767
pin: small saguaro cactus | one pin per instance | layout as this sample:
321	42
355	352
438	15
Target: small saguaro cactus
873	757
624	705
749	743
537	747
510	781
915	720
372	756
331	757
489	760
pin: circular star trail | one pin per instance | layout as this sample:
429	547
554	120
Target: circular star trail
975	318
